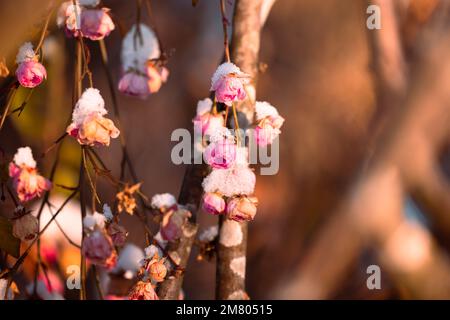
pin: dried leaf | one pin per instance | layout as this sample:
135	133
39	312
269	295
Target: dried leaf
8	242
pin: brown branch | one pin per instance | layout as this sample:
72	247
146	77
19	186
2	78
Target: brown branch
231	255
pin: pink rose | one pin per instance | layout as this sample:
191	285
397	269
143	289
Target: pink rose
213	203
27	182
133	84
268	130
31	73
209	123
221	154
143	291
229	88
95	130
172	223
241	208
118	234
98	248
96	24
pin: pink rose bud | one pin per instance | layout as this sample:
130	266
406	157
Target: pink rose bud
96	24
133	84
230	89
25	225
31	74
241	208
213	203
172	223
228	83
143	291
118	234
27	182
95	130
98	248
221	154
265	133
209	123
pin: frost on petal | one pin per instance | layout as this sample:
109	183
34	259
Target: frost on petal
26	53
164	200
239	180
223	70
151	250
92	3
90	102
204	106
129	259
137	50
107	212
90	221
24	157
220	134
265	109
209	234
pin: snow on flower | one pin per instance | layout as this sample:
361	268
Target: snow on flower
24	158
268	124
88	125
228	83
26	179
209	234
30	73
93	221
163	201
26	53
138	50
107	213
142	76
130	258
205	121
238	180
220	154
152	250
87	3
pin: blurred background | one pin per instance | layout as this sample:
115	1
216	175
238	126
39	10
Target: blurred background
320	75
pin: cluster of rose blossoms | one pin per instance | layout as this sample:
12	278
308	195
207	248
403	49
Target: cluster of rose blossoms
85	19
155	267
28	185
229	186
